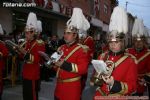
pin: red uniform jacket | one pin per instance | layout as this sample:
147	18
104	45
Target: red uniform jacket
68	85
42	48
143	58
31	68
90	43
125	76
3	55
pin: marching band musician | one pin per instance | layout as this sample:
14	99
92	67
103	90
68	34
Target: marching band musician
42	48
88	41
122	76
142	54
39	31
3	55
31	57
74	62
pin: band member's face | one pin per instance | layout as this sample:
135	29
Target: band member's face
29	35
115	46
139	44
70	37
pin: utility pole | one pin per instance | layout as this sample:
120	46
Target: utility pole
127	5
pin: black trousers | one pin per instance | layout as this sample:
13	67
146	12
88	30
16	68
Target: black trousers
148	86
30	89
0	96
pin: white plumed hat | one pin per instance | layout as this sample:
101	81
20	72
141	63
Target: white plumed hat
39	26
77	23
1	30
31	24
138	30
118	26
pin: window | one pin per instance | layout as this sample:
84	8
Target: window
55	0
105	8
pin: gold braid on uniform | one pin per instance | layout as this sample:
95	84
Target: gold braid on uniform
84	47
70	67
147	75
40	42
132	56
28	57
121	88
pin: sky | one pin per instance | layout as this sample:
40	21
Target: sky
139	8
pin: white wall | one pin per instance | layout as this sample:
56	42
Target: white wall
6	19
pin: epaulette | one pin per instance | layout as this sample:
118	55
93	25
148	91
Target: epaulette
84	47
132	56
40	42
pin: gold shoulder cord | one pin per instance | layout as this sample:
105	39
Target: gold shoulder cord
69	55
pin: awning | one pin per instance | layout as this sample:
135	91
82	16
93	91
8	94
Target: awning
96	22
105	28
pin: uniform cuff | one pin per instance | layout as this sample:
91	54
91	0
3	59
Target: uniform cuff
119	88
71	67
29	58
66	66
116	87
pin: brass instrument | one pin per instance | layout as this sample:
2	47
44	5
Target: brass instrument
15	47
52	59
110	67
97	79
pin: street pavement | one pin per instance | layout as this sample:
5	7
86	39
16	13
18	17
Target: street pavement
47	90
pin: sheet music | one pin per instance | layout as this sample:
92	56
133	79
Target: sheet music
100	66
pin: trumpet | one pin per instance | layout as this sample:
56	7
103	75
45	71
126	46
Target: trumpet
15	47
52	59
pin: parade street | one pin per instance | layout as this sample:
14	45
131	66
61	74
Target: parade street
74	50
46	92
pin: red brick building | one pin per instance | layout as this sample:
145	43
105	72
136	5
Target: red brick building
99	12
55	13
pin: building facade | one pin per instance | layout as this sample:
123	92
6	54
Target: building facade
55	13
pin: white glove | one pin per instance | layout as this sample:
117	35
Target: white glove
59	63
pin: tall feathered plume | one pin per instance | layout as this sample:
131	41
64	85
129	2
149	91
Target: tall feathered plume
39	26
78	20
1	30
31	22
138	28
119	20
